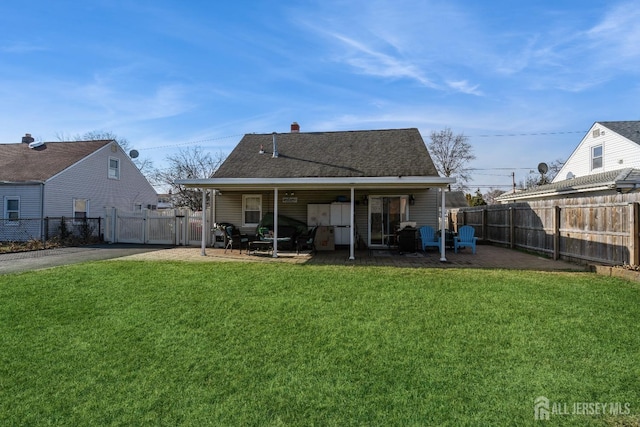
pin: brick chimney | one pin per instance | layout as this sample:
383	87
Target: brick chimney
27	139
295	127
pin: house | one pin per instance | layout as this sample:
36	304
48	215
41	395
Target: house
66	179
620	181
606	162
375	179
606	147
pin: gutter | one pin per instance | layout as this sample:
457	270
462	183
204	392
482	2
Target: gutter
314	182
557	193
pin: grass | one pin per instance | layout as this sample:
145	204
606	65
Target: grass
137	343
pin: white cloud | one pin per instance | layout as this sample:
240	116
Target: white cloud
21	47
618	33
464	87
376	63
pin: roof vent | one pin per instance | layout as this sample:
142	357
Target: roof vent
275	146
27	139
35	144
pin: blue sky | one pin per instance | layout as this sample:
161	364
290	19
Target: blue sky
523	80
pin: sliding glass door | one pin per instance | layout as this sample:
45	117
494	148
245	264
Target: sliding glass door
385	215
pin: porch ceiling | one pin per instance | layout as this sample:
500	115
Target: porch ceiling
239	184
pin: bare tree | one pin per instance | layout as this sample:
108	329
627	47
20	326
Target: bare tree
145	165
554	168
190	163
490	196
534	179
451	154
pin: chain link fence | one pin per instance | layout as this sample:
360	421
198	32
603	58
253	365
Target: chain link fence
45	229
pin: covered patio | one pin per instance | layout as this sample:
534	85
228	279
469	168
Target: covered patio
354	185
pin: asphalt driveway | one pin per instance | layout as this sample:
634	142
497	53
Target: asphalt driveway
35	260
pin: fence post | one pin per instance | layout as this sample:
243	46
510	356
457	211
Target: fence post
556	233
145	226
485	216
512	227
634	238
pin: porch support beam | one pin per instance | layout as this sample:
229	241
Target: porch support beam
275	222
443	219
203	245
352	230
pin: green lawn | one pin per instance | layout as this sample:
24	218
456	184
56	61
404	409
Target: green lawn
160	343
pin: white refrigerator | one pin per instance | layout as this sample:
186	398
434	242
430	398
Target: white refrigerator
341	221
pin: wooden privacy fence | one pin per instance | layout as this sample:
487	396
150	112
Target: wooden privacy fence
583	230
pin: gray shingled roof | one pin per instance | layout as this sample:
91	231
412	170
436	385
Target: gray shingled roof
598	180
455	199
628	129
368	153
19	163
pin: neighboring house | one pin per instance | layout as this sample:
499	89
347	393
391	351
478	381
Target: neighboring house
621	181
165	201
380	178
67	179
608	146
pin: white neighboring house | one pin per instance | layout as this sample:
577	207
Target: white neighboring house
608	146
66	179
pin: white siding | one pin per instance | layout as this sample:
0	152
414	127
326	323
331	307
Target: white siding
88	179
617	153
424	211
29	199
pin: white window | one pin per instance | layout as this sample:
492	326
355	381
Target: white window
80	208
251	209
12	208
114	168
596	157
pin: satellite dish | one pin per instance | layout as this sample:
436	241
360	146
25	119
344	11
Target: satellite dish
133	154
543	168
570	175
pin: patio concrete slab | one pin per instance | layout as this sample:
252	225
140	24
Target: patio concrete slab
486	257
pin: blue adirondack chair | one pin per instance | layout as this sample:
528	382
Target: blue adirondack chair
428	238
465	238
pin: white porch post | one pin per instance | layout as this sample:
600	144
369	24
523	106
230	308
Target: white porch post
275	222
443	220
352	225
203	245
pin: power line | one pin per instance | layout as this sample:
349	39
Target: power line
529	134
197	142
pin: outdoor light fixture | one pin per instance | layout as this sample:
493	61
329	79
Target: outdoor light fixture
412	200
365	200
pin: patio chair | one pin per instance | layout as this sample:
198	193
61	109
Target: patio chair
307	241
465	239
234	238
428	237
